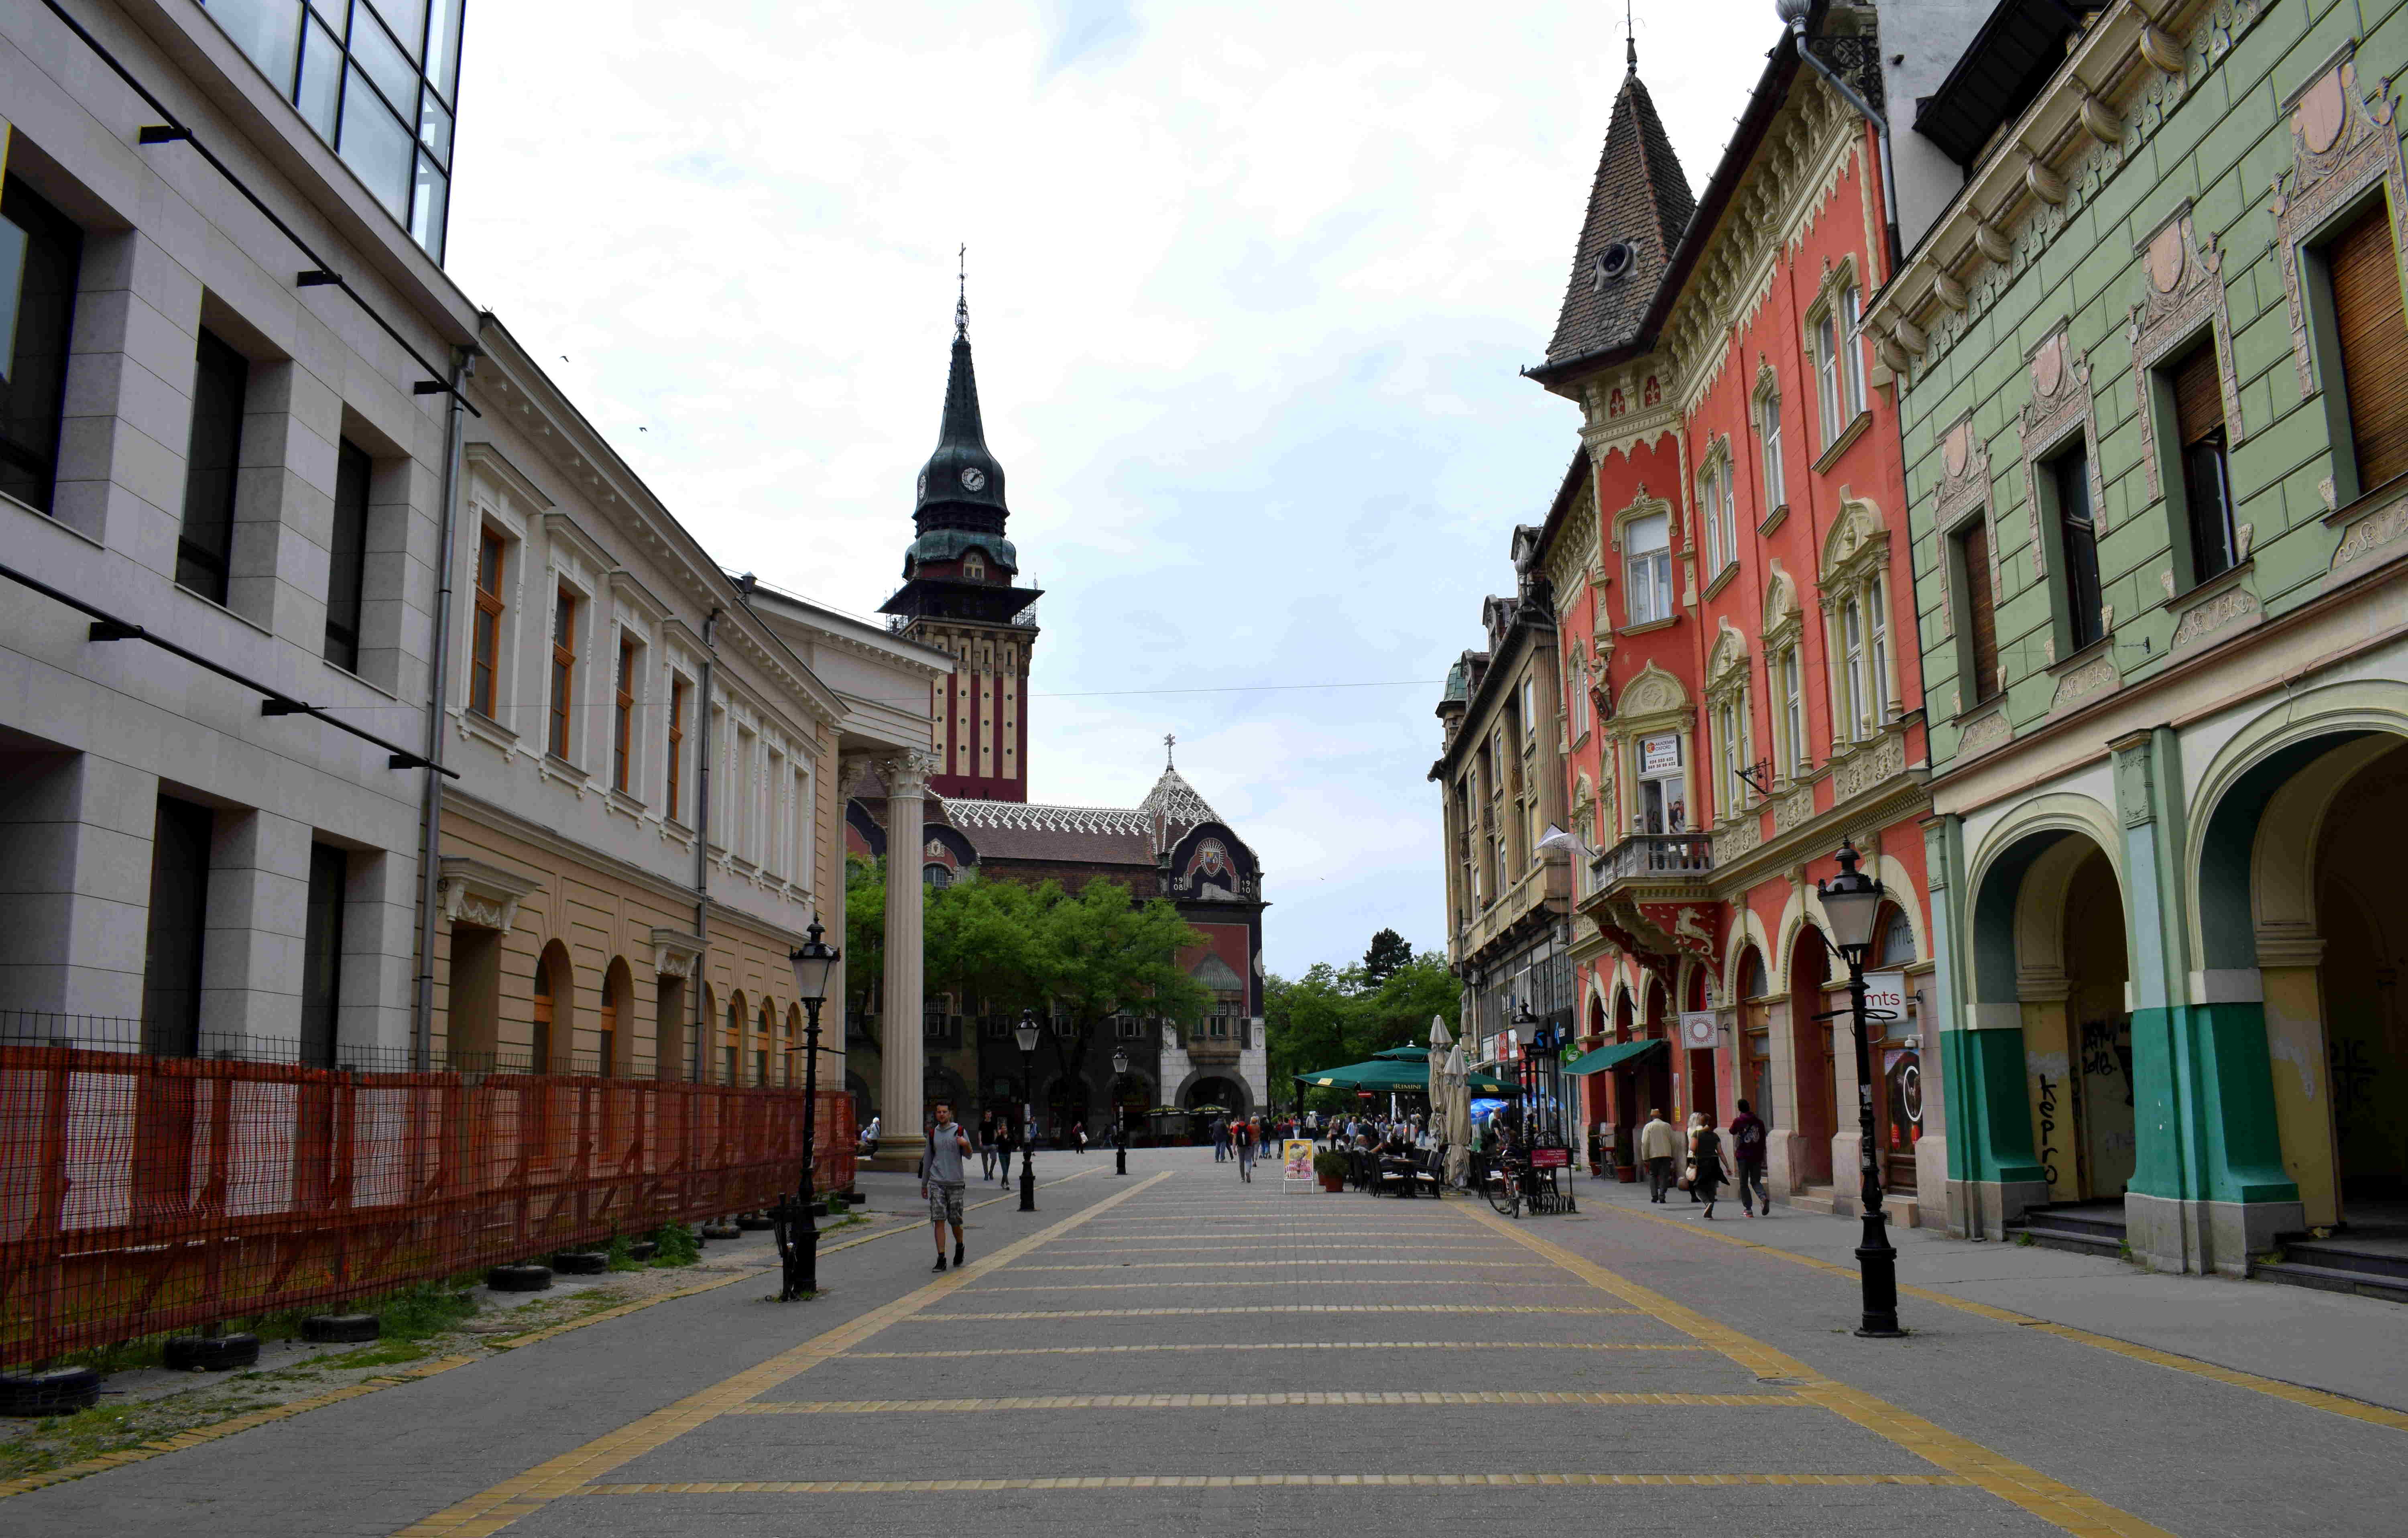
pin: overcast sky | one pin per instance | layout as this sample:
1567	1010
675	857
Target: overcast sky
1248	285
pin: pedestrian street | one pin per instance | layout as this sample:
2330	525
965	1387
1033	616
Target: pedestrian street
1191	1354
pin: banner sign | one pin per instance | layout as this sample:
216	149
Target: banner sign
1884	993
1551	1158
1296	1161
1660	755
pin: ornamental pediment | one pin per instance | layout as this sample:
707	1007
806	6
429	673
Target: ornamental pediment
482	896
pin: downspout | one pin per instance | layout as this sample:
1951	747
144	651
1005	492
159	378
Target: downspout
430	831
702	839
1794	12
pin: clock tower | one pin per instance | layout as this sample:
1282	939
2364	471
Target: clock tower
961	595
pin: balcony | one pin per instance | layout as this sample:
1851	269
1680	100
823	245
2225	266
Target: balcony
1678	855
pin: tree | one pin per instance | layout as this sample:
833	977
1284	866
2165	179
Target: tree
865	942
1389	951
1330	1017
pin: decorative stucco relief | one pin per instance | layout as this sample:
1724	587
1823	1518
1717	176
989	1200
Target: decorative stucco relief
2060	406
2341	145
2182	289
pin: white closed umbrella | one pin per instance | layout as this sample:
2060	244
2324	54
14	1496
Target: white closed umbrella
1439	1040
1456	1076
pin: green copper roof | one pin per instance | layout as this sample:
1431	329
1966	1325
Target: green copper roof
952	544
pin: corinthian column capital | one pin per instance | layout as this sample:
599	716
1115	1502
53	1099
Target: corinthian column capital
907	774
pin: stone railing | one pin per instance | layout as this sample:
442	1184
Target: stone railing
1646	854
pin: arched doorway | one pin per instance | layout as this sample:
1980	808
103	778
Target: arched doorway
1699	1061
554	1028
1897	1053
1810	1064
731	1040
1226	1093
768	1023
1655	1069
1754	1035
1065	1107
2295	878
613	1024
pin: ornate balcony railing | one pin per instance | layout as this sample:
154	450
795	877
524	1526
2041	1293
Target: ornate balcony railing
1646	854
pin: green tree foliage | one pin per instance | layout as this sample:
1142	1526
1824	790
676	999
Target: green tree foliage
1389	951
864	942
1331	1016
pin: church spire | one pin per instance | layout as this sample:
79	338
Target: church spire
961	487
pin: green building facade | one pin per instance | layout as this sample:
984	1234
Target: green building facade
2153	377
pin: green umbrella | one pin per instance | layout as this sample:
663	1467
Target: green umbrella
1391	1077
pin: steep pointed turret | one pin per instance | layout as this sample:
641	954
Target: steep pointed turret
1637	207
960	594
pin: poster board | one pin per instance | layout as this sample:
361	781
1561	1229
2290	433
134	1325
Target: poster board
1296	1163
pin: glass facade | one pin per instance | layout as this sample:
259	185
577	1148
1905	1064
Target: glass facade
379	79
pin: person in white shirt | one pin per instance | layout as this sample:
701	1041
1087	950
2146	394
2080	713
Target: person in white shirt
1659	1145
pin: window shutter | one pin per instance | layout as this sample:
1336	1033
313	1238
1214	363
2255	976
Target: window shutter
1980	620
2199	396
2364	264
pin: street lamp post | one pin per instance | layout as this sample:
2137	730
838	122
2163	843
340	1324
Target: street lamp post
798	1235
1120	1112
1851	901
1027	1031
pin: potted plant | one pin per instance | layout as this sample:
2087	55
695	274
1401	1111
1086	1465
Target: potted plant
1331	1168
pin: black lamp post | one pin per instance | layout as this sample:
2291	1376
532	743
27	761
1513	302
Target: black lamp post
1027	1031
1120	1112
798	1235
1850	902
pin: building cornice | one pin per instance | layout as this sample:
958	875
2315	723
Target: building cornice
2037	172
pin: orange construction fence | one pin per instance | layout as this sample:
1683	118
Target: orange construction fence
142	1194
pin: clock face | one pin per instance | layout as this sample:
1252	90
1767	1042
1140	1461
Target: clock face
974	479
924	486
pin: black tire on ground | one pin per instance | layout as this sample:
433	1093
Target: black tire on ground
328	1328
581	1262
209	1353
852	1198
721	1231
642	1250
525	1278
752	1221
62	1391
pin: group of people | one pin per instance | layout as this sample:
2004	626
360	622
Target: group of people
1700	1153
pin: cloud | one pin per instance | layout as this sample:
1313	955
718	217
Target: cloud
1248	285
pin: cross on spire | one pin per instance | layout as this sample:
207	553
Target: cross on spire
1630	35
962	304
1170	743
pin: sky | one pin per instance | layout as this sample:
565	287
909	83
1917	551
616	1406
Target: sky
1249	287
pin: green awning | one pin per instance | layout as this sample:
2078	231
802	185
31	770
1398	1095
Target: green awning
1614	1055
1395	1078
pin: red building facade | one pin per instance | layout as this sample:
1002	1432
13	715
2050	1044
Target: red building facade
1733	598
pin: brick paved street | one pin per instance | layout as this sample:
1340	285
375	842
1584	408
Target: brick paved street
1178	1353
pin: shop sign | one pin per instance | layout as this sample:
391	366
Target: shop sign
1697	1028
1660	754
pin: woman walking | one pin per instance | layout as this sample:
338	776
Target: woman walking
1246	1145
1706	1159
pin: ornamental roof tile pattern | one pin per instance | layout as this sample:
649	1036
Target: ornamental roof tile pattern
1641	196
1027	830
1178	802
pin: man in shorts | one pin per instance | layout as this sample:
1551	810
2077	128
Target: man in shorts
941	1177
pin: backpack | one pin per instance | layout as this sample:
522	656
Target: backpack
1749	1140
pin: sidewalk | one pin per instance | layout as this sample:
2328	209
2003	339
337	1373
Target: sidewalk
2344	1344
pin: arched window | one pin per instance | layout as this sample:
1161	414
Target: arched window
974	569
1897	938
614	1024
761	1045
554	1037
933	874
731	1042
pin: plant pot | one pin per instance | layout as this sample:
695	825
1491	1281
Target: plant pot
1333	1183
210	1352
528	1278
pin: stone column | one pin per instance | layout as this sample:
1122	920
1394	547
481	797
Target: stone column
258	913
75	898
899	1060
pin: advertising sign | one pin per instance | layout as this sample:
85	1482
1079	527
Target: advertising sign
1698	1029
1885	995
1295	1162
1551	1158
1660	755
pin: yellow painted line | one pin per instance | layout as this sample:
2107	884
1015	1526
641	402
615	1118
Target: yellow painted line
1280	1249
1265	1308
1262	1481
1261	1231
2054	1502
1416	1262
1277	1345
492	1510
1289	1282
1298	1398
200	1434
2314	1399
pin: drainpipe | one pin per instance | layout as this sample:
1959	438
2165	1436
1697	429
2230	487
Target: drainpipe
702	839
1793	13
430	829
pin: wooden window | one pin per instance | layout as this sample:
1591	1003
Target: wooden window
2363	264
212	458
2206	473
1877	657
2078	545
485	646
1827	376
33	392
1852	712
624	729
1768	412
1648	567
1981	611
677	747
347	565
1852	353
1793	712
564	668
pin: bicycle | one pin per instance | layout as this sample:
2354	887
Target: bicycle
1504	1179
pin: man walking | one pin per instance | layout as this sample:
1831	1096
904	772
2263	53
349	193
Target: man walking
986	1145
941	1179
1748	1144
1659	1145
1003	1146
